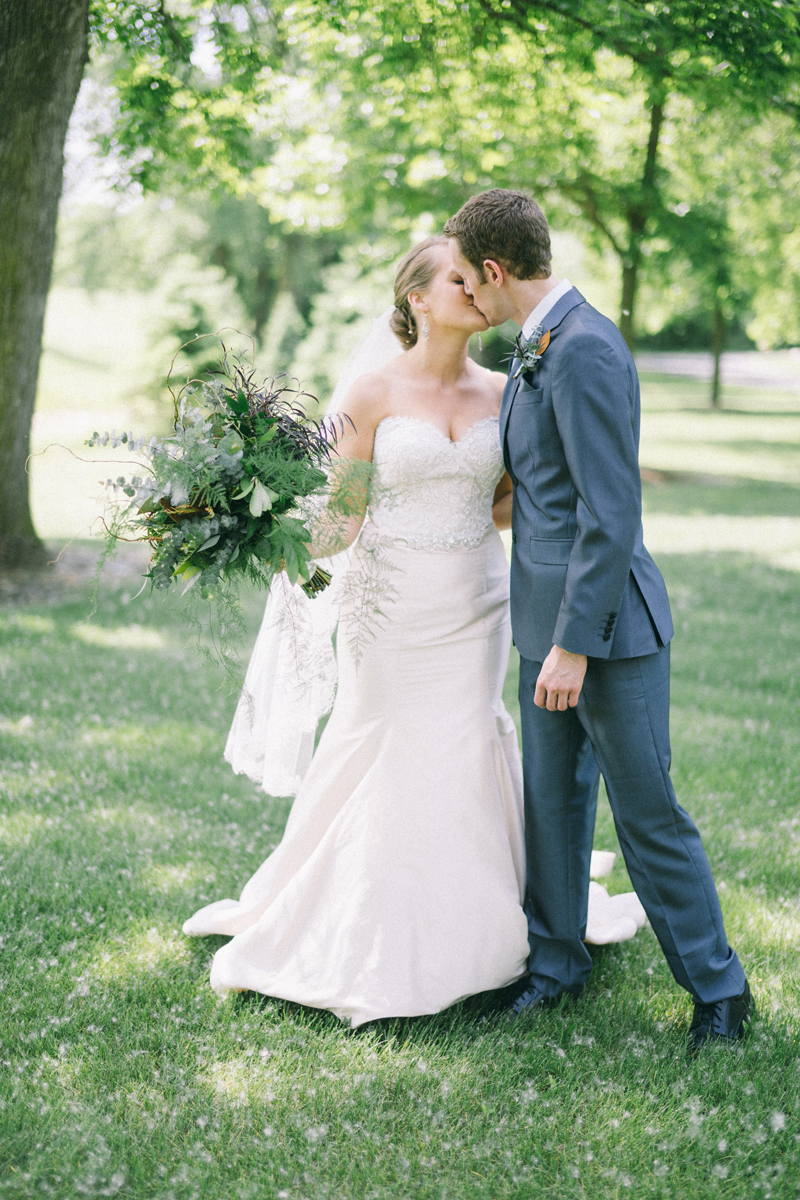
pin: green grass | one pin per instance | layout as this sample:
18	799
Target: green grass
673	391
124	1075
684	494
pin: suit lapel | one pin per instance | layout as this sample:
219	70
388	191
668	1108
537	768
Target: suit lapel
509	392
568	301
558	312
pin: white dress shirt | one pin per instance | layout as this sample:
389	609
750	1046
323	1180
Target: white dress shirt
543	307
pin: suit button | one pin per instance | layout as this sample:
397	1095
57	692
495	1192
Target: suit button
606	637
613	615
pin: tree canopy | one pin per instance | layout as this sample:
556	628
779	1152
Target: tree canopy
659	129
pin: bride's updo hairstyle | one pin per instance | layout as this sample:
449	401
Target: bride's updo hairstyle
414	273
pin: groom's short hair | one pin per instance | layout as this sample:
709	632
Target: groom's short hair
507	227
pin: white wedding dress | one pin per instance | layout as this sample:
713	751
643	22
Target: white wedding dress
397	888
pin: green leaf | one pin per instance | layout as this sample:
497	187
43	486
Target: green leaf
238	403
291	565
246	490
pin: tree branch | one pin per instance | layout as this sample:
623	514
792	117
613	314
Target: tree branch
583	194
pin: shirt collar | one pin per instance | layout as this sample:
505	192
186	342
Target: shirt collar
543	307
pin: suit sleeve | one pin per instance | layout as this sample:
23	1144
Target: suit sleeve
595	402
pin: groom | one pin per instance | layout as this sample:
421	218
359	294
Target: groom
592	623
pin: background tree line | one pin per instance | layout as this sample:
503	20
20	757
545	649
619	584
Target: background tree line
302	144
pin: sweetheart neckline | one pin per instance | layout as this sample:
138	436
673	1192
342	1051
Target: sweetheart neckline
431	425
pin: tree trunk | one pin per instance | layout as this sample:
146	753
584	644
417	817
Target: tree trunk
43	49
630	267
637	222
719	343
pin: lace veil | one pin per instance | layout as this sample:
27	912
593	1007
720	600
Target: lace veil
291	679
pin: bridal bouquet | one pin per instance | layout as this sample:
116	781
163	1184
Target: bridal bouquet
219	502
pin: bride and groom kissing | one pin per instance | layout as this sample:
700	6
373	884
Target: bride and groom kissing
422	862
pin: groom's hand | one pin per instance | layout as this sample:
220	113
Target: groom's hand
560	680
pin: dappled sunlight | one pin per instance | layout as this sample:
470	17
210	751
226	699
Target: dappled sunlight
138	951
243	1080
772	540
763	462
174	877
18	829
18	728
122	637
141	737
27	622
772	926
726	427
760	446
136	818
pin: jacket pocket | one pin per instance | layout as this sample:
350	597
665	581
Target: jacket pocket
552	551
528	395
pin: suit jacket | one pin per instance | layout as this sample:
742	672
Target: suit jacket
581	577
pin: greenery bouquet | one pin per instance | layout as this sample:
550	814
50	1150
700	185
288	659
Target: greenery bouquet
221	499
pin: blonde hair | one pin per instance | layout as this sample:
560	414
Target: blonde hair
414	273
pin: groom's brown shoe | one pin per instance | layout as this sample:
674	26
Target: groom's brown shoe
722	1021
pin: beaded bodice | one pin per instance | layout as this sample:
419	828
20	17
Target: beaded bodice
429	493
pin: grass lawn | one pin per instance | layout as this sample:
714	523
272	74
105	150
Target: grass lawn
123	1075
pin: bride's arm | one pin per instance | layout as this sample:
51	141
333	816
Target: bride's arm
503	500
504	492
351	467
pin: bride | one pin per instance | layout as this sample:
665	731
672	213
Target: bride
398	887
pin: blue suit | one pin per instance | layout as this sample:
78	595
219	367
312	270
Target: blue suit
582	579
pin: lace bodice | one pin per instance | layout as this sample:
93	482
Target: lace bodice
429	493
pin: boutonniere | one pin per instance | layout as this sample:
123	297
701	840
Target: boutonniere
529	350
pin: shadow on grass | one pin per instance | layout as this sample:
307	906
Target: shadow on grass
686	493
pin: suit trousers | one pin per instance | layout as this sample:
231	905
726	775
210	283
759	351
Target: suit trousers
621	725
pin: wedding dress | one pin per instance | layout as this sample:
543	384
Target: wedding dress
398	886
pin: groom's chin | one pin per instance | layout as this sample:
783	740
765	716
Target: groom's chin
488	318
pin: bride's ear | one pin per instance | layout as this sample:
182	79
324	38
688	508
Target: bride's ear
416	301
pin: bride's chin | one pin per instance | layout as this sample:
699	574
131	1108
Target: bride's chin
474	326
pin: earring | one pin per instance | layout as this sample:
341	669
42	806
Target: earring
480	343
425	332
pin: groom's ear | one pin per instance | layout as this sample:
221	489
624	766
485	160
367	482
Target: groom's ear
493	272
